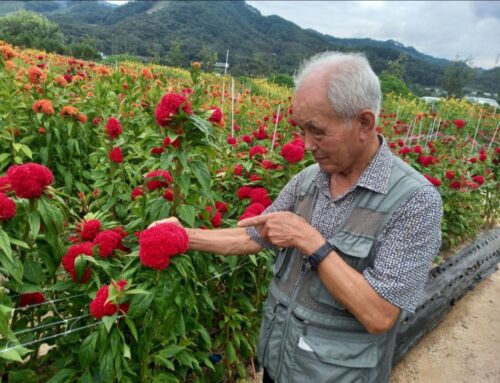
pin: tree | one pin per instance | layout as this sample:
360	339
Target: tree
456	76
392	84
176	56
397	68
31	30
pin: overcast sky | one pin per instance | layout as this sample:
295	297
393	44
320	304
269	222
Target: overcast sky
446	29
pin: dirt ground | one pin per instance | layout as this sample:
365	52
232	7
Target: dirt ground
463	348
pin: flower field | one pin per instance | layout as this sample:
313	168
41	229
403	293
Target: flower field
91	155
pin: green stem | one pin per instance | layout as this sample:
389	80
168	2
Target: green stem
177	189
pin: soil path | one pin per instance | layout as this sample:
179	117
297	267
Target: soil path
464	347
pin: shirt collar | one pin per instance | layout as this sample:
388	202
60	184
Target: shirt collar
375	177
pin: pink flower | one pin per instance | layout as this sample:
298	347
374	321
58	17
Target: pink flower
170	106
113	128
116	155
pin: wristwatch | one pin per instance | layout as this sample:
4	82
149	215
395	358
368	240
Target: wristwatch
314	260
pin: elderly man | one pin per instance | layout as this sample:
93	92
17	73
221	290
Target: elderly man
355	235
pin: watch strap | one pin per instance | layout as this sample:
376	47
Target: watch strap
321	253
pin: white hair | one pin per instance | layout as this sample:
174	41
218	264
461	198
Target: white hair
353	86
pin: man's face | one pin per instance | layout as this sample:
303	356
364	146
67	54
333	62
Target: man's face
333	143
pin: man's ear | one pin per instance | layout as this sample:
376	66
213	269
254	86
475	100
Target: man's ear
366	120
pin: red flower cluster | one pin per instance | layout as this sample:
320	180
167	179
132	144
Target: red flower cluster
231	140
88	229
260	195
246	138
261	133
252	210
113	128
116	155
215	218
107	242
238	169
31	299
136	193
169	106
459	123
293	151
158	179
257	150
158	244
216	116
99	307
29	180
68	260
7	208
435	181
5	184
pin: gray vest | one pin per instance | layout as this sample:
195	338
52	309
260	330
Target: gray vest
306	335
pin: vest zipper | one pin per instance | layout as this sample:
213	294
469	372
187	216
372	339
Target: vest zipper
304	269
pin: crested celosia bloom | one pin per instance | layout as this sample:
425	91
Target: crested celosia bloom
244	192
168	194
136	193
68	260
29	180
69	111
221	206
7	208
260	195
252	210
5	184
43	106
116	155
107	241
257	150
459	123
231	140
31	299
215	218
99	307
261	133
433	180
238	169
292	152
478	179
246	138
113	128
158	179
216	115
158	244
88	229
170	106
36	75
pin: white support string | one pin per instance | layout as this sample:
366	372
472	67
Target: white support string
475	133
494	135
275	128
232	107
52	324
223	91
419	131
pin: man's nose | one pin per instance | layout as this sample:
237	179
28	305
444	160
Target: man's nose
309	142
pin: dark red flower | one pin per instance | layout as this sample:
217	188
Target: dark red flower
99	307
450	174
31	299
168	194
257	150
169	106
5	184
254	178
482	156
29	180
116	155
157	150
107	242
158	179
255	208
113	128
221	206
246	138
215	218
7	208
455	185
158	244
216	115
244	192
478	179
68	260
88	229
137	192
435	181
238	169
417	149
260	134
260	195
459	123
231	140
292	152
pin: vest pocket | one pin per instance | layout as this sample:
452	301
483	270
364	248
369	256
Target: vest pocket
348	358
320	294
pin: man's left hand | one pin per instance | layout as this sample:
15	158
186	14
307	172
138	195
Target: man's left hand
286	229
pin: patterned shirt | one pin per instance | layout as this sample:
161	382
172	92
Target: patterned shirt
407	243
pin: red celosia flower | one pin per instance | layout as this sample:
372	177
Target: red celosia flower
455	185
43	106
238	169
107	241
405	150
244	192
99	307
215	218
435	181
116	155
255	208
29	180
417	149
221	206
68	260
260	195
137	192
158	179
160	243
292	152
36	75
459	123
246	138
31	299
257	150
157	150
7	208
260	134
216	116
113	128
473	160
169	106
168	194
88	229
254	178
231	140
450	174
478	179
482	156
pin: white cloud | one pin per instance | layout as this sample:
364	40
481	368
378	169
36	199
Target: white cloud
447	29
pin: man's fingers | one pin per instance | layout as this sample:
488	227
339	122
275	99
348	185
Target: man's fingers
254	221
166	220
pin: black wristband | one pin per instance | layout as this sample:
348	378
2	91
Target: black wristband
314	260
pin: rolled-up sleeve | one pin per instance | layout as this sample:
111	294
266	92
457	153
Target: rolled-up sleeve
409	242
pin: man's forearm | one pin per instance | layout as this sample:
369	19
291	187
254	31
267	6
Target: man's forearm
223	241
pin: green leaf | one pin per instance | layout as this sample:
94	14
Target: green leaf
132	328
80	267
34	222
109	321
171	351
139	304
23	376
33	272
202	125
87	354
63	376
202	174
138	292
187	214
230	353
19	243
15	354
14	268
5	244
126	351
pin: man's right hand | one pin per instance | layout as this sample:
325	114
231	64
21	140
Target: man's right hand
166	220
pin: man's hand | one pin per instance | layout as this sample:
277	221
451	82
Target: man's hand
286	229
166	220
